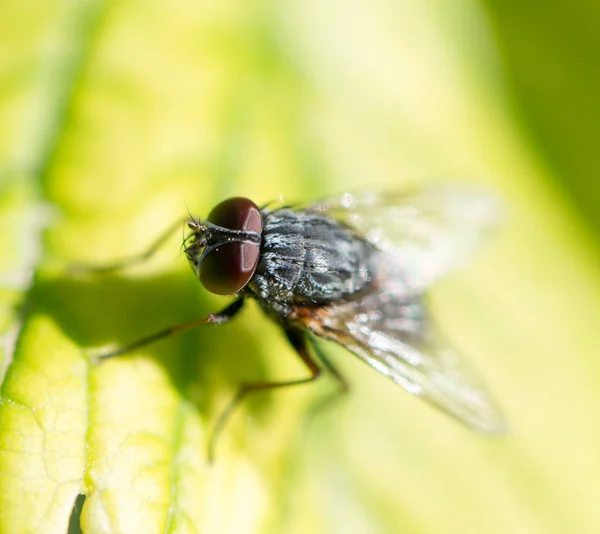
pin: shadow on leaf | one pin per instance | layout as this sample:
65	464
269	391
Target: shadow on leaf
110	311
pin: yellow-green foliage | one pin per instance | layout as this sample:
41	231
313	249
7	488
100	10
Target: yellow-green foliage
115	117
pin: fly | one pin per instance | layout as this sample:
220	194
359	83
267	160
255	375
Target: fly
352	269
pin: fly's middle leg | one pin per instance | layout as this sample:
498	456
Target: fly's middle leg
298	340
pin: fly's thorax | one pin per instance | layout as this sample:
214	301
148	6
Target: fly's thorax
309	258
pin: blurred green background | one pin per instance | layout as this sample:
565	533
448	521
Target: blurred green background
117	116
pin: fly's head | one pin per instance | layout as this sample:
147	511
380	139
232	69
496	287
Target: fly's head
224	249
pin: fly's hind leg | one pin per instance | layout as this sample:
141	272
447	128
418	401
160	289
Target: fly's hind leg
82	268
298	340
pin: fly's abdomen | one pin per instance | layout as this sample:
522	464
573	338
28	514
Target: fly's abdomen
309	259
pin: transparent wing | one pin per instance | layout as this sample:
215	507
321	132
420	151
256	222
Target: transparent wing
426	232
393	335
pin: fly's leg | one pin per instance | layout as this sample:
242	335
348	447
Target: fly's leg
221	317
127	262
329	399
342	382
298	341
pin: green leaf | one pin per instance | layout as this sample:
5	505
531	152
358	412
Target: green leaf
117	117
44	421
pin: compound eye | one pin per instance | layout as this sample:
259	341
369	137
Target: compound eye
229	267
237	214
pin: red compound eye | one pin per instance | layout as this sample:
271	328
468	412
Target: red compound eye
229	267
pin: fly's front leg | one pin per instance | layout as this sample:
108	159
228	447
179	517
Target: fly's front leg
221	317
127	262
298	340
